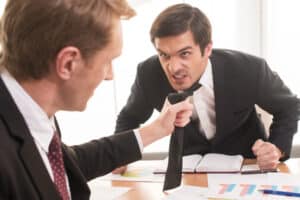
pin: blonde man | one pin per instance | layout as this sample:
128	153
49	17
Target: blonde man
54	55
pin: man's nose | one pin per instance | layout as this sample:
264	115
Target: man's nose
174	64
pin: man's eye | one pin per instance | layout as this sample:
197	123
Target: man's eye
185	53
163	55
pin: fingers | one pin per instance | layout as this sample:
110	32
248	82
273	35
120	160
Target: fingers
267	154
183	118
174	115
269	159
257	146
183	113
177	114
182	107
119	170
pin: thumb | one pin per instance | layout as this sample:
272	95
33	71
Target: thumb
256	146
182	106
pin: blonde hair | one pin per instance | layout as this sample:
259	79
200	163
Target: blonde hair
34	31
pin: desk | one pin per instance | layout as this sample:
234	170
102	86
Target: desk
153	191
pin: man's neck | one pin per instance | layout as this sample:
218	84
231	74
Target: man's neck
43	93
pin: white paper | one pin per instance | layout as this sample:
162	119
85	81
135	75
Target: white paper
188	193
99	191
237	186
161	166
212	162
189	163
284	179
250	167
138	171
201	193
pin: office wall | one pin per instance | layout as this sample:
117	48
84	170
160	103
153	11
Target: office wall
265	28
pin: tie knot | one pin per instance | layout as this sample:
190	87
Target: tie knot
194	87
177	97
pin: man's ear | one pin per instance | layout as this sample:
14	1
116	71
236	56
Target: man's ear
67	60
208	49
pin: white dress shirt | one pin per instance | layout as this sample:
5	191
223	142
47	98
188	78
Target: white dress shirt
204	102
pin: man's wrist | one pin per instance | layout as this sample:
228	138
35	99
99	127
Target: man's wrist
139	139
150	133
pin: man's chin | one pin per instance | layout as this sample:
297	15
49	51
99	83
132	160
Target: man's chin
79	107
180	85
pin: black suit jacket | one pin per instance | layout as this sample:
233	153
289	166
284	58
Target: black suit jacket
240	82
22	171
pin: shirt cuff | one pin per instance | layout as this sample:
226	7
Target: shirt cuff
139	139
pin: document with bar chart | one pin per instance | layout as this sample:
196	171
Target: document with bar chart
237	186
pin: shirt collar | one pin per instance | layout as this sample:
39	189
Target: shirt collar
40	125
206	79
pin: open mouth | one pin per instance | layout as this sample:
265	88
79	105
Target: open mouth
178	78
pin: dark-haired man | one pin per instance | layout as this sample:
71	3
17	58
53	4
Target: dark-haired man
225	119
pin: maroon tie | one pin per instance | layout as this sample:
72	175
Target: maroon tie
57	166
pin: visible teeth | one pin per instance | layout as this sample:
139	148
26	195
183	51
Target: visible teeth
179	76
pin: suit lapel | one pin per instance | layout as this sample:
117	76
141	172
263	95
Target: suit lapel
220	92
38	173
227	104
29	154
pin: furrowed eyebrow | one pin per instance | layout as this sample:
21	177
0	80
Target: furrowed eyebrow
160	51
179	51
184	49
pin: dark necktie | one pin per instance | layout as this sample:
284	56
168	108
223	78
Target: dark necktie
173	173
57	165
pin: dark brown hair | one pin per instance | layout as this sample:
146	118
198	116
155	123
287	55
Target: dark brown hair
34	31
180	18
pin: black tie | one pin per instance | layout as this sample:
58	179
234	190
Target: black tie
173	174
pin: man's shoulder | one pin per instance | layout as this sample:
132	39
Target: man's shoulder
150	67
234	55
150	75
150	62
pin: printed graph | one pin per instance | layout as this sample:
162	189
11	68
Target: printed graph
246	190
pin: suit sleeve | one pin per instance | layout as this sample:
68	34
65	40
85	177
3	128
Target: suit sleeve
137	109
276	98
101	156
